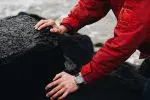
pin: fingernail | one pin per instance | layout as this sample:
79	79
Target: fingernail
46	95
51	30
45	88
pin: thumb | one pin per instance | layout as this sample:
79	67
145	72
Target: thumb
57	76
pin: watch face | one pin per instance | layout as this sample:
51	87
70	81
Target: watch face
79	79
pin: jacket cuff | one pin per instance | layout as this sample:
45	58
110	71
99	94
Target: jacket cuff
90	73
71	24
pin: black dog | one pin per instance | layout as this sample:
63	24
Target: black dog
29	59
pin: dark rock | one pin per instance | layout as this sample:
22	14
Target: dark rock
30	58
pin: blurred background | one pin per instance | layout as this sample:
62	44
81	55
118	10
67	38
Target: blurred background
99	32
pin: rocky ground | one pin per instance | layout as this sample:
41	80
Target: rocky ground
57	9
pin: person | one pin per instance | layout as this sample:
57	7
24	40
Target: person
130	33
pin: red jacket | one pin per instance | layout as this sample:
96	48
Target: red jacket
130	33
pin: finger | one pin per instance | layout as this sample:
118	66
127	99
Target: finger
48	23
53	91
52	84
43	26
39	24
52	23
57	76
51	98
51	30
60	92
63	96
55	30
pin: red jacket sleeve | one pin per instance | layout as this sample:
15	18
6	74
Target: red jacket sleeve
86	12
130	32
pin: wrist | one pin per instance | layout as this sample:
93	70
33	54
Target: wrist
63	29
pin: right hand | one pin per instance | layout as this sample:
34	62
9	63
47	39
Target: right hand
55	28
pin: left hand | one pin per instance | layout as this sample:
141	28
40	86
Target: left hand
63	84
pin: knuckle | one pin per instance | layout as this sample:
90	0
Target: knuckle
66	87
62	85
46	24
41	20
54	96
59	81
54	83
57	75
50	93
62	97
52	22
61	73
48	86
67	92
58	30
51	84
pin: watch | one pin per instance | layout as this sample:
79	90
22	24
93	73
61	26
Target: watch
79	79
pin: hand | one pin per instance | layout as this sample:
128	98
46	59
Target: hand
55	28
63	84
